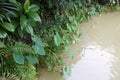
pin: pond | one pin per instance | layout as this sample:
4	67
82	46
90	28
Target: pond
96	53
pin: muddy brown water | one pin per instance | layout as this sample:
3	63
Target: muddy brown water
96	53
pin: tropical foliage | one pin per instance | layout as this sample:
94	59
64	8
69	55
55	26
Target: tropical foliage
34	33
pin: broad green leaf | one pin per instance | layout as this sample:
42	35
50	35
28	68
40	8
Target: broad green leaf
57	39
3	34
34	15
75	37
38	47
70	54
18	57
34	8
2	45
70	18
60	61
20	33
31	22
74	28
92	11
68	70
32	59
8	26
29	29
23	21
26	5
37	40
69	27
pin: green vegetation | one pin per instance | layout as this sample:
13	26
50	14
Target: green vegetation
33	34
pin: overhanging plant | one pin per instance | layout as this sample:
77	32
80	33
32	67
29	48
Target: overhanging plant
19	25
17	22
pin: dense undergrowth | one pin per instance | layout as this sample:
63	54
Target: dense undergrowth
33	34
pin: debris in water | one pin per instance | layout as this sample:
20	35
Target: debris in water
93	27
73	42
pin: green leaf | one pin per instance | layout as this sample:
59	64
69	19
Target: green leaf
31	22
37	40
13	1
69	27
16	4
26	5
8	26
1	17
34	15
32	59
20	32
18	57
34	8
74	28
3	34
29	29
70	54
2	45
23	21
38	47
68	70
57	39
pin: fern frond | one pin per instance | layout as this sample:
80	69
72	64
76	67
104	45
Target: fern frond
19	46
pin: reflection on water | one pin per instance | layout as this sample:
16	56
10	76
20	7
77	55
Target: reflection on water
116	67
95	64
97	53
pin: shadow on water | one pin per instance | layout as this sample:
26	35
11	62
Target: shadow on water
96	53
